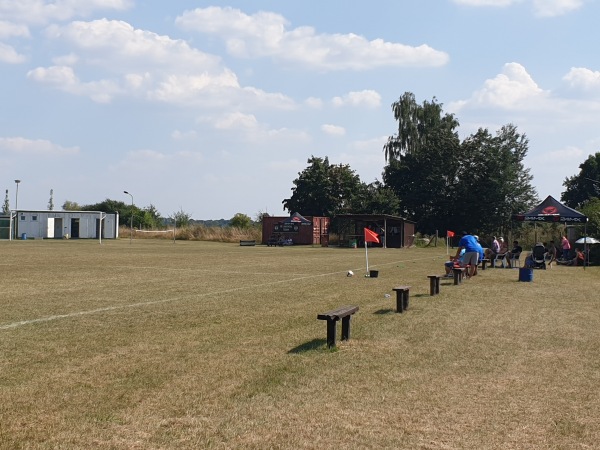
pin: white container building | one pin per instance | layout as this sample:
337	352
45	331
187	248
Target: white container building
61	225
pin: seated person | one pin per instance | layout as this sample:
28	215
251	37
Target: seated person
550	254
514	253
449	265
490	253
500	256
578	260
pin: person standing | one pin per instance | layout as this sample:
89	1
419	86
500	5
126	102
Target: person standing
471	247
566	247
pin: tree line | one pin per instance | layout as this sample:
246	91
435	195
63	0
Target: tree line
430	175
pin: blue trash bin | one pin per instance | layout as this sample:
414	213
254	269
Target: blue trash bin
525	274
24	236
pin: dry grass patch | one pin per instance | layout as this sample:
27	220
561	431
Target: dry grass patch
207	345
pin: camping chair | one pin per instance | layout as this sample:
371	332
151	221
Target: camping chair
538	256
499	257
515	259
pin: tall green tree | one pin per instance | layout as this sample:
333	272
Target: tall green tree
323	189
585	185
417	125
6	204
182	218
423	162
445	184
51	200
240	221
69	205
376	198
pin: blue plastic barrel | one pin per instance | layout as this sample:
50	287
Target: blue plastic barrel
24	236
525	274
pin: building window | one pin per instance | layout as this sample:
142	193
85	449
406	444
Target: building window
22	217
34	218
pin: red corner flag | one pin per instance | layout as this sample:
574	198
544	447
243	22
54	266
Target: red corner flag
371	236
450	233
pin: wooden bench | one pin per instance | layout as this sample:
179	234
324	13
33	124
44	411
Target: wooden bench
459	274
343	313
434	284
402	294
248	243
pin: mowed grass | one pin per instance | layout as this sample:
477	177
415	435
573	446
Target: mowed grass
155	345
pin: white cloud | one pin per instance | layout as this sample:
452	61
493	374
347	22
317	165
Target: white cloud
542	8
236	121
62	77
9	55
512	89
37	147
313	102
553	8
366	98
333	130
498	3
266	35
247	128
44	11
8	29
586	80
178	135
142	64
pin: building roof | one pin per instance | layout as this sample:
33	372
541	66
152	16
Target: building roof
373	217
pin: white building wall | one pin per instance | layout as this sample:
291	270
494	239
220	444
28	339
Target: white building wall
59	224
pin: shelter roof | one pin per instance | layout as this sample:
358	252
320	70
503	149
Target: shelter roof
551	210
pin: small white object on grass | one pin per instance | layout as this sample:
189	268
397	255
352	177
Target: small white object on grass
350	273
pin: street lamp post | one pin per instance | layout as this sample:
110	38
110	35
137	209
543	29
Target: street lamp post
17	209
131	223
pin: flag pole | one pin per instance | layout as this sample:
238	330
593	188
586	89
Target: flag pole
367	256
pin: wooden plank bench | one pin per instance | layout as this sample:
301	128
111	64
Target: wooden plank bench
402	294
343	313
248	243
459	274
434	284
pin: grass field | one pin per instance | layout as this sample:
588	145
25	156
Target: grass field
156	345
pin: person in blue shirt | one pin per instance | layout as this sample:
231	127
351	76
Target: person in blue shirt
448	265
480	253
471	256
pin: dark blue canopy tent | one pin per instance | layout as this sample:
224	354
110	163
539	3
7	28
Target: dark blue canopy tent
551	210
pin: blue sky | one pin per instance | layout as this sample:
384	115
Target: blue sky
213	108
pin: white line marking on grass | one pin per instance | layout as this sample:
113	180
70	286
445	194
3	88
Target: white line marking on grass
21	323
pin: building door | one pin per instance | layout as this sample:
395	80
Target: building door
74	228
99	227
50	228
58	228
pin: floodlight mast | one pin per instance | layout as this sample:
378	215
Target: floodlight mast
131	222
17	209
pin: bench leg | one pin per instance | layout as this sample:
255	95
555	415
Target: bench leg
405	300
346	328
434	286
399	301
457	277
331	332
